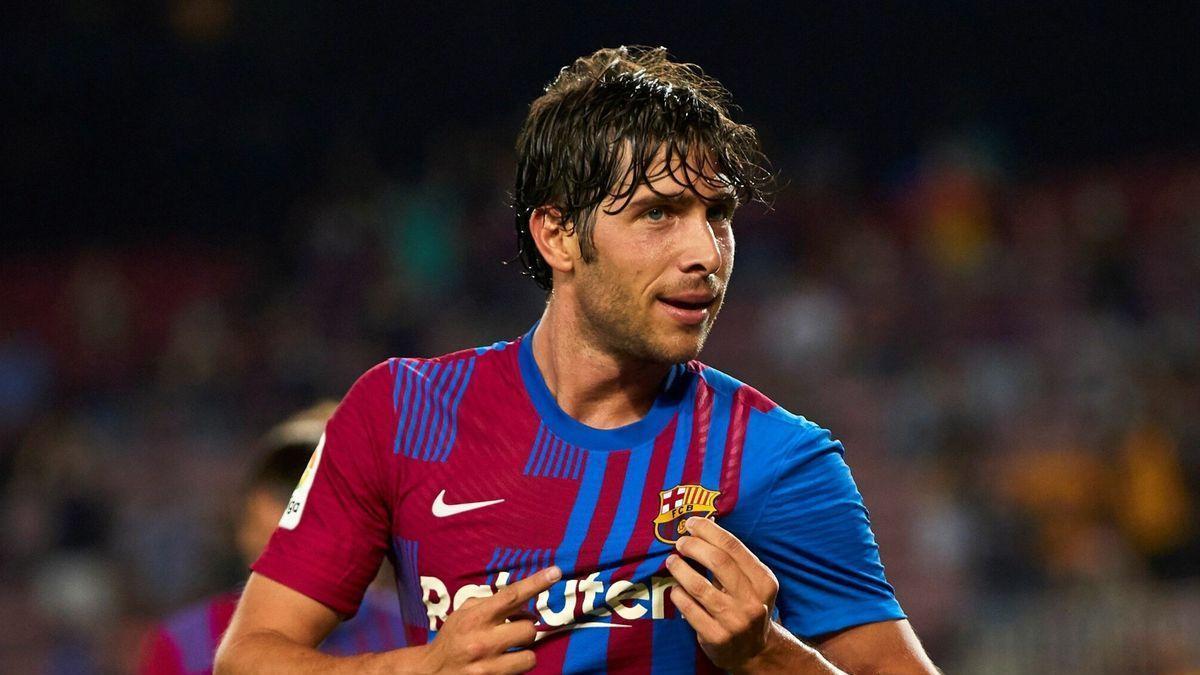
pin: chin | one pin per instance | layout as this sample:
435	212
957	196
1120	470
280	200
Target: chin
680	348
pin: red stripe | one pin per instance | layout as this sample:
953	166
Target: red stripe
551	653
701	417
603	514
643	530
731	469
694	464
630	649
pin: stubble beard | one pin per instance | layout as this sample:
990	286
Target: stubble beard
610	321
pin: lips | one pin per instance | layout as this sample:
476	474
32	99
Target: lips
690	300
687	308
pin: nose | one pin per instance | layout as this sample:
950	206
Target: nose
701	252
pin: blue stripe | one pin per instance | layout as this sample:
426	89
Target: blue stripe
562	462
580	653
673	632
490	570
555	459
675	461
630	500
581	516
443	421
547	447
402	376
491	566
526	557
559	451
420	407
438	401
683	437
506	561
396	384
714	456
578	462
412	607
437	378
415	386
462	388
533	451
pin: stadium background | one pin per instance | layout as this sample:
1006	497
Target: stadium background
983	275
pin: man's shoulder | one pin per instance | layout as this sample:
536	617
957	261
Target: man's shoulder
397	373
727	387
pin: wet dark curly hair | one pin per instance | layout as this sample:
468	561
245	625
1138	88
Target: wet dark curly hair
598	129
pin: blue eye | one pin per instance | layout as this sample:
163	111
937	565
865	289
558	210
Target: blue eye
720	213
656	214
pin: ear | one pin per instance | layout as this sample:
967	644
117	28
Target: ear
555	241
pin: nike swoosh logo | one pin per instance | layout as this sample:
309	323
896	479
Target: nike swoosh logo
575	626
441	509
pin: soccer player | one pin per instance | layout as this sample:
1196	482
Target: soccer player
185	642
588	497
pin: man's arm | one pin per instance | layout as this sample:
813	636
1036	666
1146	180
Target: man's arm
276	630
880	647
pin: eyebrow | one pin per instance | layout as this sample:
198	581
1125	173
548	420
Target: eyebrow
728	198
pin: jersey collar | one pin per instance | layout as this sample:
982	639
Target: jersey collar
674	389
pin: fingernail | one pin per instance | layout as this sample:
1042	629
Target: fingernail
553	573
672	558
691	522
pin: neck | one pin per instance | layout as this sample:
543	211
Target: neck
591	384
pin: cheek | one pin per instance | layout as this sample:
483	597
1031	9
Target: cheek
726	244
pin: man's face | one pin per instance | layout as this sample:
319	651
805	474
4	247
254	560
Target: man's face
662	264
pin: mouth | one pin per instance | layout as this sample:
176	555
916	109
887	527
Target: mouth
688	309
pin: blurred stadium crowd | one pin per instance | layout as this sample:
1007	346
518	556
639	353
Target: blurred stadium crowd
1013	365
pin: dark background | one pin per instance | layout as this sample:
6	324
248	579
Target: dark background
983	275
129	119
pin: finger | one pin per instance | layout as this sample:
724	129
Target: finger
757	573
709	531
724	566
515	634
699	588
707	628
522	615
512	662
512	598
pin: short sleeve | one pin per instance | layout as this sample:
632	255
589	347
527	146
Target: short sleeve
336	527
815	534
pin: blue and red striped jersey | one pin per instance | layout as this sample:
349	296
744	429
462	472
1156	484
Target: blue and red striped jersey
466	474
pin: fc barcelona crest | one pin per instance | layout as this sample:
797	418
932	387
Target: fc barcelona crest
680	503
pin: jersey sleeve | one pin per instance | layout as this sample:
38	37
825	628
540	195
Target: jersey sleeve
815	535
336	527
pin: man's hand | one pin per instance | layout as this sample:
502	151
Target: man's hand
731	614
477	637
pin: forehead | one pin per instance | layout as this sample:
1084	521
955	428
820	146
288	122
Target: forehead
670	174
